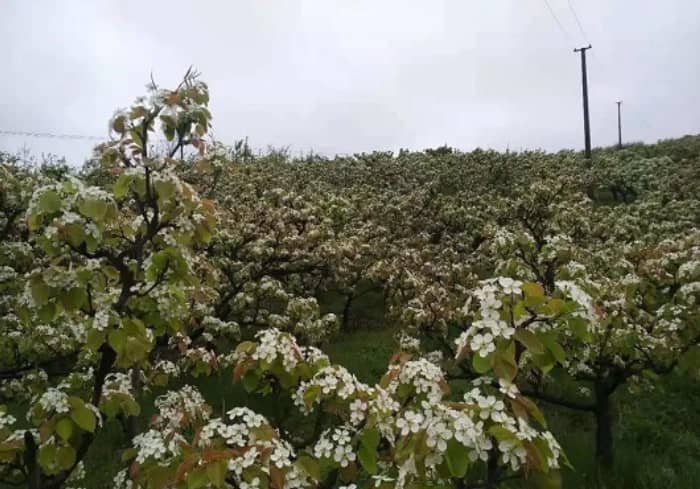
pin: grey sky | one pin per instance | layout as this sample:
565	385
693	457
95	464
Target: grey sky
351	76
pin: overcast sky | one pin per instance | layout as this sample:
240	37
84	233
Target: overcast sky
354	75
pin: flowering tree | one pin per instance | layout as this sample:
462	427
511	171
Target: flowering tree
638	288
118	285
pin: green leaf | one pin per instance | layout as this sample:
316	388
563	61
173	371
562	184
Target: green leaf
47	456
73	298
533	289
245	347
165	189
519	310
545	361
501	434
131	407
159	262
64	428
368	459
404	390
251	380
95	209
159	477
95	339
49	202
482	364
443	470
47	312
135	351
40	292
286	380
310	395
579	326
555	306
121	186
504	365
203	234
117	340
370	438
129	454
529	340
310	466
216	471
75	234
555	348
82	415
136	137
33	221
65	456
533	410
197	478
543	449
457	457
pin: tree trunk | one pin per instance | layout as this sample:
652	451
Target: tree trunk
33	470
492	472
131	427
346	311
604	435
131	423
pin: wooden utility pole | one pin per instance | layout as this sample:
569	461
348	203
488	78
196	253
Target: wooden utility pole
619	124
586	119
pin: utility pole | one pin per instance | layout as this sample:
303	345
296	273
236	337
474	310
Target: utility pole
586	120
619	124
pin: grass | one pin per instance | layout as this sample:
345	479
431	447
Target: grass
657	440
365	353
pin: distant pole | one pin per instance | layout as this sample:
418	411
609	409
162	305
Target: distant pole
586	119
619	124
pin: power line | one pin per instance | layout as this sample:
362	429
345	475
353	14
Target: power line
580	28
556	19
51	135
578	22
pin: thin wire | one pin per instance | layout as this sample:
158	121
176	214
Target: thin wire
556	19
578	22
580	28
51	135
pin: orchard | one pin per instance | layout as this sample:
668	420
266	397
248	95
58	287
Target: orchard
512	285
